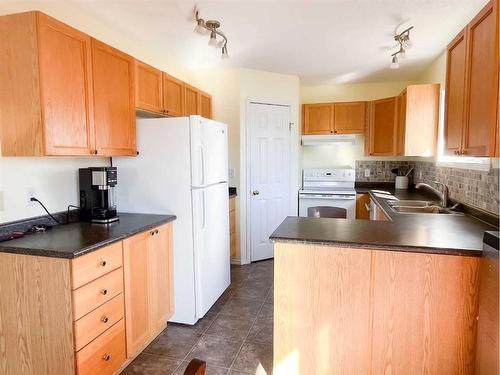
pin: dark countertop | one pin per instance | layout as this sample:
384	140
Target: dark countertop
79	238
232	192
423	233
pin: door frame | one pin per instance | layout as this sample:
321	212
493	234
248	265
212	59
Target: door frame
247	187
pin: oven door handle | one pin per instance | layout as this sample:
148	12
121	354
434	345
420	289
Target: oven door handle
327	197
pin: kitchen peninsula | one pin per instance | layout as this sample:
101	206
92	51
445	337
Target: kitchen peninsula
359	296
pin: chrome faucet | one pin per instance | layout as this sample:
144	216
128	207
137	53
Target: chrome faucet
443	195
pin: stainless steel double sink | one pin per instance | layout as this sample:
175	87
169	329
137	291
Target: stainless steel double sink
420	207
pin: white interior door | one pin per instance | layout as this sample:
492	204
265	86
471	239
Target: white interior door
269	165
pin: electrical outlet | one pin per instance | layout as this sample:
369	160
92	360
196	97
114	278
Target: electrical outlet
30	193
231	172
367	173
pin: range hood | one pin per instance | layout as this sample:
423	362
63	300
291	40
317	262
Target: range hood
334	139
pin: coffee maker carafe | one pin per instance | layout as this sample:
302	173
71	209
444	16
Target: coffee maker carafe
97	194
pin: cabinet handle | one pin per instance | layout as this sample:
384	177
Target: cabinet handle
106	357
102	263
104	292
104	319
152	232
137	152
156	231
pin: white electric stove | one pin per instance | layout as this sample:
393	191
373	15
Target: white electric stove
328	193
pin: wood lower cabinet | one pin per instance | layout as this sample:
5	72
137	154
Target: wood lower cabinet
148	88
233	242
367	311
382	138
88	315
472	87
114	100
173	96
46	87
148	285
363	206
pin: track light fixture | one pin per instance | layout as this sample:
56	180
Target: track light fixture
212	27
403	39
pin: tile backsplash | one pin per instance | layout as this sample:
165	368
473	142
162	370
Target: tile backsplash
475	188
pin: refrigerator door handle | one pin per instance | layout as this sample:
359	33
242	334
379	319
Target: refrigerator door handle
204	212
202	153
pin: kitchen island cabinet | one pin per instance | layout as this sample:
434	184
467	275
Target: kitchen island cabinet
341	310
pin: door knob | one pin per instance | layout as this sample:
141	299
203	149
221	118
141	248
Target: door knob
255	192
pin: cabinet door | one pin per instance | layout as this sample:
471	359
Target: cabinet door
148	88
482	85
205	105
114	112
362	202
401	124
173	96
349	118
383	127
318	118
136	268
161	302
66	88
455	94
191	100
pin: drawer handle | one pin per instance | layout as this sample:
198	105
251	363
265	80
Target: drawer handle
102	263
104	292
104	319
106	357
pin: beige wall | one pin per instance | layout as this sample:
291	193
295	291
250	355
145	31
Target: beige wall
435	73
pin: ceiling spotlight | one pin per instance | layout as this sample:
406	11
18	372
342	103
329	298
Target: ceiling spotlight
403	39
224	53
213	39
212	27
394	63
200	26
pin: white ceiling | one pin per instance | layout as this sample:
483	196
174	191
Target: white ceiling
323	42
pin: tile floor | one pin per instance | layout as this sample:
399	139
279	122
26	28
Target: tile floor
235	336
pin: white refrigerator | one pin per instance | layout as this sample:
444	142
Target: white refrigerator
182	169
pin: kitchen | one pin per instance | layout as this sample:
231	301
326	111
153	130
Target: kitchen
432	115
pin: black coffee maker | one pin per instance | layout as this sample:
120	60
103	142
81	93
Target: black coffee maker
97	194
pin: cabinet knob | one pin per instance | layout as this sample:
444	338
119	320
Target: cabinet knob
106	357
335	132
255	192
156	231
104	292
152	232
104	319
102	263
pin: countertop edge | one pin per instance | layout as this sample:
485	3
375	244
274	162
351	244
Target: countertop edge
406	249
84	250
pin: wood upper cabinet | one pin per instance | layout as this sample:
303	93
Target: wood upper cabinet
417	120
191	100
205	104
349	118
114	100
383	127
482	85
318	119
148	88
148	276
46	90
472	87
173	96
334	118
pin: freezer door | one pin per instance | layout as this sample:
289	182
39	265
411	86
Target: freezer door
209	164
211	245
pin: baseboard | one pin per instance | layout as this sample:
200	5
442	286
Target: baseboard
238	262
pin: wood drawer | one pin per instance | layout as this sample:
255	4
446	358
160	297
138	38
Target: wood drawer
94	294
91	266
97	321
105	355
